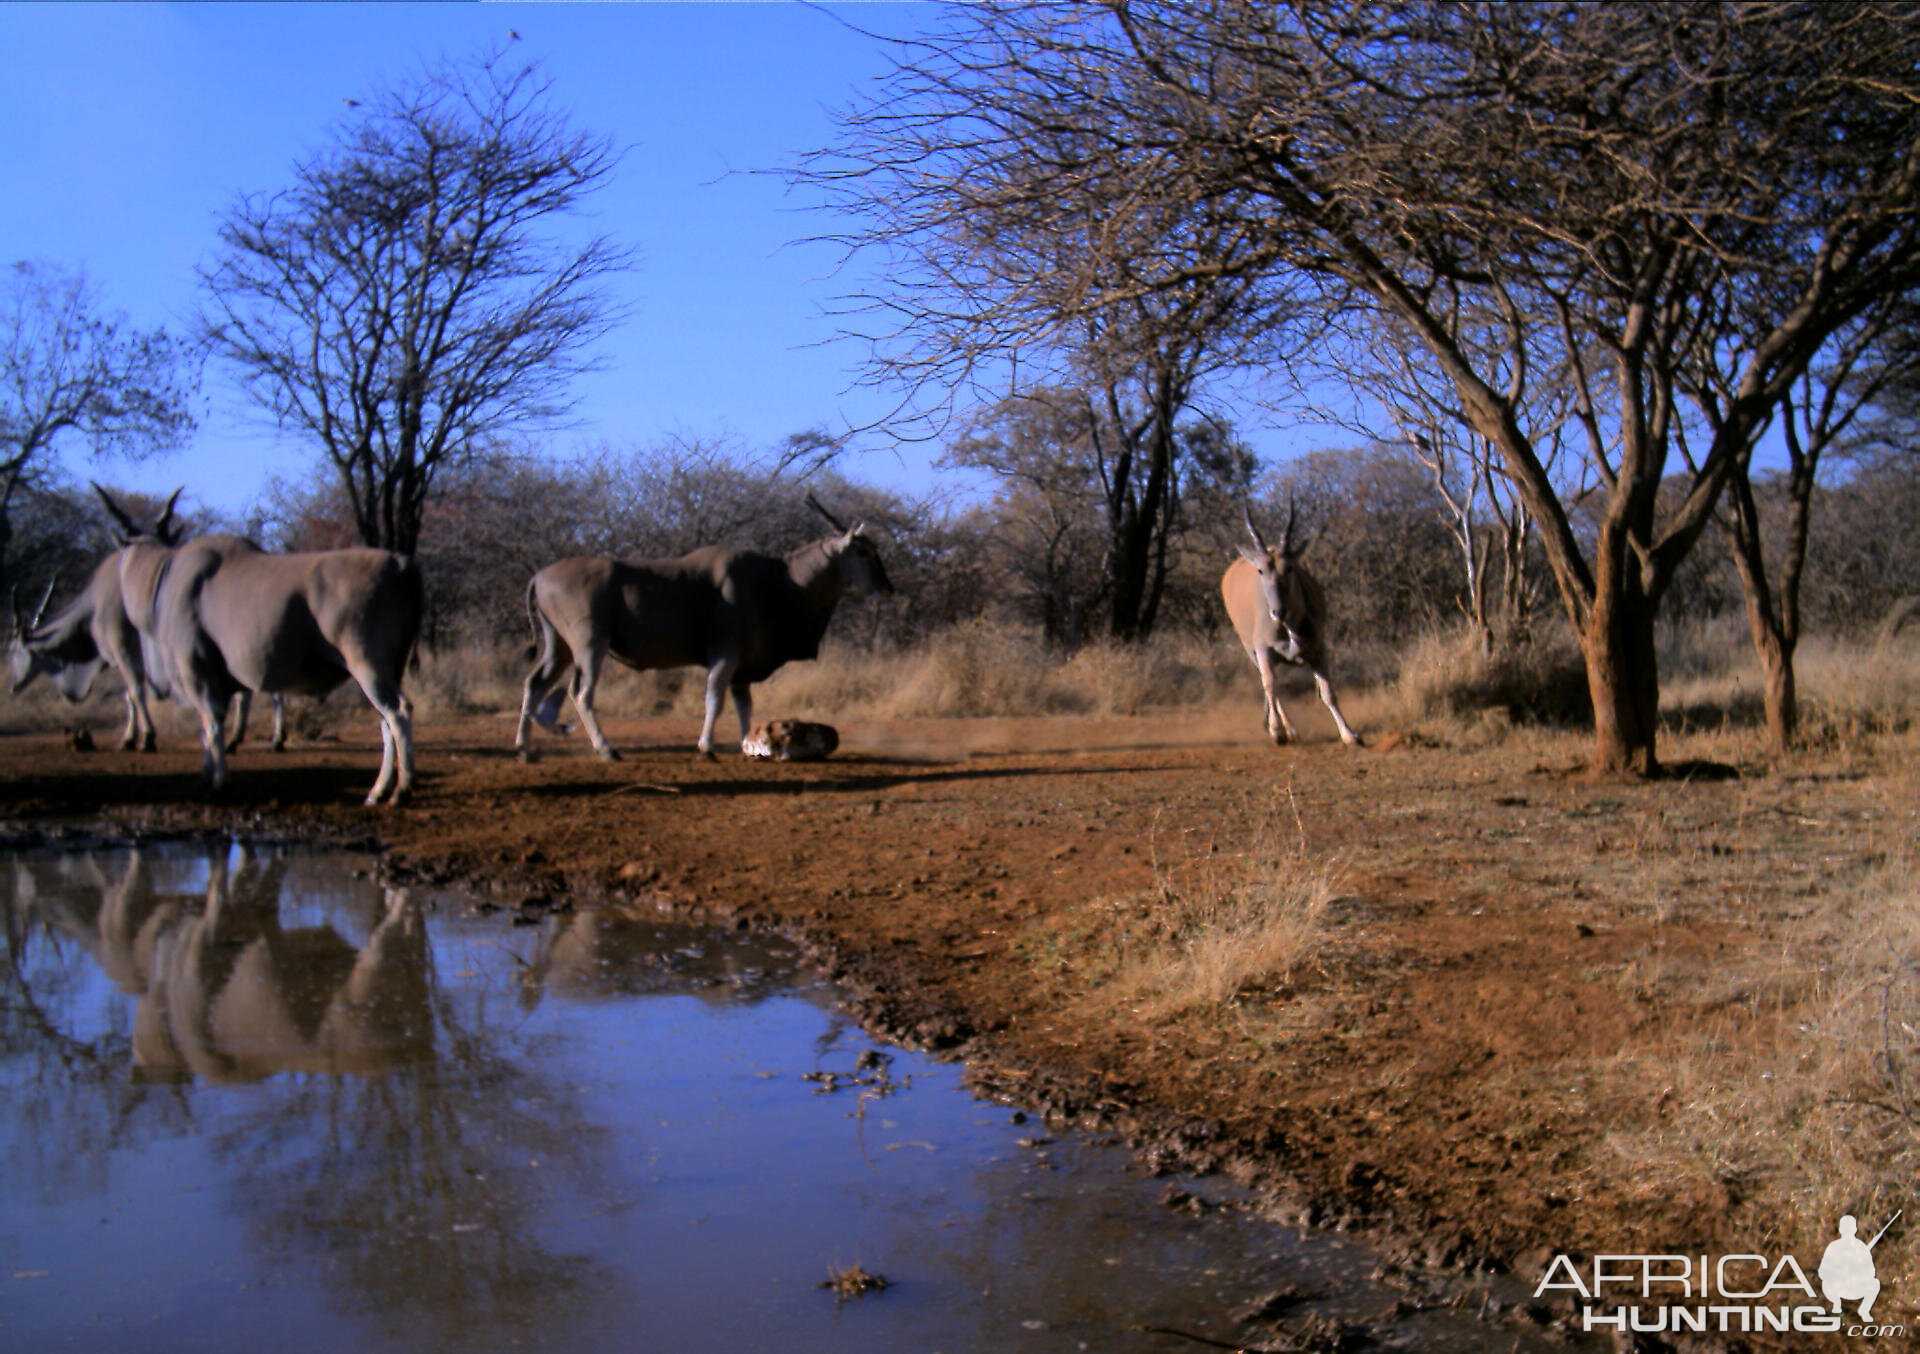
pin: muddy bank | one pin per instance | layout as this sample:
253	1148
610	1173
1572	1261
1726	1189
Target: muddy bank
1445	1071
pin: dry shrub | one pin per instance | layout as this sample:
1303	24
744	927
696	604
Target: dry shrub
471	679
41	709
972	669
1849	690
1449	675
1207	931
1166	671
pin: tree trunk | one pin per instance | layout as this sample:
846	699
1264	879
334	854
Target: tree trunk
1773	623
1623	677
1774	647
1782	701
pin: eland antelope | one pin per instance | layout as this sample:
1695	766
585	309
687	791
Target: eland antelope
227	617
96	628
737	613
1280	613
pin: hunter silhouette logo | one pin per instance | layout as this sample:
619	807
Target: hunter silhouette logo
1846	1269
1728	1294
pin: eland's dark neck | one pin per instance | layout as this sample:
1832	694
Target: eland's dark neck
815	571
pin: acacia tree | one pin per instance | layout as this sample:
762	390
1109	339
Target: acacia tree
69	369
1646	183
409	299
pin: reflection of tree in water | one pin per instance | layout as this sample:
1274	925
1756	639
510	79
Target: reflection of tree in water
416	1189
423	1191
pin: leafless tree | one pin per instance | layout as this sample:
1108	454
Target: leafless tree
1645	183
411	296
1866	362
1481	505
1045	523
71	370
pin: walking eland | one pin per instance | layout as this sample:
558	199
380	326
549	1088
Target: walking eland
739	614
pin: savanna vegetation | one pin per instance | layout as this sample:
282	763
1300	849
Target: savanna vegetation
1606	314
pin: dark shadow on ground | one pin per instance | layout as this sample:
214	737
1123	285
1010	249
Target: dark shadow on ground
85	790
791	785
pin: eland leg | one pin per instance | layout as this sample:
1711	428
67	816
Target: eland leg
137	698
743	706
719	678
1278	729
388	769
1332	702
542	693
584	681
279	723
213	739
245	699
395	781
131	738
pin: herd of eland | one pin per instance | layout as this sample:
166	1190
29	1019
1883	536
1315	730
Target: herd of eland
214	619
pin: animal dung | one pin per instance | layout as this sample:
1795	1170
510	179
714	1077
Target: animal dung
791	740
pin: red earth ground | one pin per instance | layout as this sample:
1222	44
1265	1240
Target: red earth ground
1461	1060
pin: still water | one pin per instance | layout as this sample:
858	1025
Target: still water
250	1098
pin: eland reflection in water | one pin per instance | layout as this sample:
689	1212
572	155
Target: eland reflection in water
232	995
226	992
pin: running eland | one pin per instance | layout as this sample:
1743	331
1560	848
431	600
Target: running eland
1280	614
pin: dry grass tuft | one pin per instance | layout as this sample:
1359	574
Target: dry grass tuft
1209	930
996	670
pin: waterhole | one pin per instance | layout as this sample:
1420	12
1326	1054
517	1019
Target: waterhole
254	1100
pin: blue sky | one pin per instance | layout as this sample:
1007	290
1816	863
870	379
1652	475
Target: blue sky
130	128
